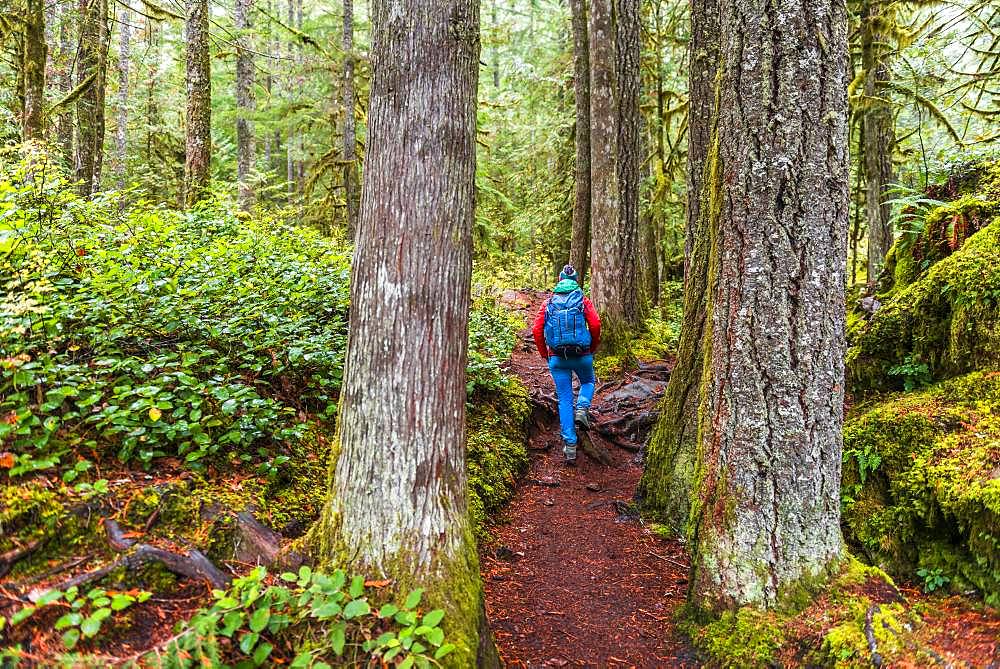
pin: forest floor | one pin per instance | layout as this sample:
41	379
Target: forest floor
574	577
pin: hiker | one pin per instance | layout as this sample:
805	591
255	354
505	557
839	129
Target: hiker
567	331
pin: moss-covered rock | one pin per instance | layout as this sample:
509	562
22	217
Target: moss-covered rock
497	450
921	482
945	323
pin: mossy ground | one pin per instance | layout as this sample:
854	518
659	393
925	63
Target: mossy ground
921	482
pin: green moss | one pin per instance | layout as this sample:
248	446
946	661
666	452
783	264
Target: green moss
497	450
746	638
921	486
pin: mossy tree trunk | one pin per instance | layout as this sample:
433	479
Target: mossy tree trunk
246	103
91	66
614	275
33	119
397	504
878	135
198	80
64	80
580	245
667	482
765	519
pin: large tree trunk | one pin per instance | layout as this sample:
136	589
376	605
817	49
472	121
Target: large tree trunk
580	244
198	79
350	135
397	501
613	269
124	65
91	66
879	136
667	482
33	120
246	152
767	511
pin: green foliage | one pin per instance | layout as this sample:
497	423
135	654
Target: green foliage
85	615
312	620
933	579
915	374
493	333
160	333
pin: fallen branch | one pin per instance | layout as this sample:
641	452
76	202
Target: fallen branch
15	555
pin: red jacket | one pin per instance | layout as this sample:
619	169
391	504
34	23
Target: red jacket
593	324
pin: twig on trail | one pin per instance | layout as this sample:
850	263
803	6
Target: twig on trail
670	560
870	635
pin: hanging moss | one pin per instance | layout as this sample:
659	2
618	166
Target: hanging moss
921	482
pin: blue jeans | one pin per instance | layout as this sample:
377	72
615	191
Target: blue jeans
562	373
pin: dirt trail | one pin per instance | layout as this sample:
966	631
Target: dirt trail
573	577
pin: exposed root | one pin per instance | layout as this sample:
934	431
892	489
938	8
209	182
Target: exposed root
15	555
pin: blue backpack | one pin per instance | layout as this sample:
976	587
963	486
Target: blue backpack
566	330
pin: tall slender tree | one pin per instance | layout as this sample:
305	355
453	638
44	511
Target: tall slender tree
198	81
767	510
667	482
580	242
124	65
878	131
628	50
397	502
34	51
613	263
246	104
91	68
351	199
63	126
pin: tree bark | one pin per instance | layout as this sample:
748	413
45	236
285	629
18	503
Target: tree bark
397	501
124	65
666	487
628	50
246	105
580	244
198	79
613	269
350	134
91	66
766	516
879	137
64	78
35	50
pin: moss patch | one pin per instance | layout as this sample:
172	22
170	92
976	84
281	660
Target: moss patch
921	482
497	450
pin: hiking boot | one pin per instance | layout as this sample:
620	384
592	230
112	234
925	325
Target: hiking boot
582	418
569	450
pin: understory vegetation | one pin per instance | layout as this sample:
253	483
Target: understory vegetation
141	383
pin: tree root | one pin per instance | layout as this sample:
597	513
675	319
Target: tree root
195	565
870	635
